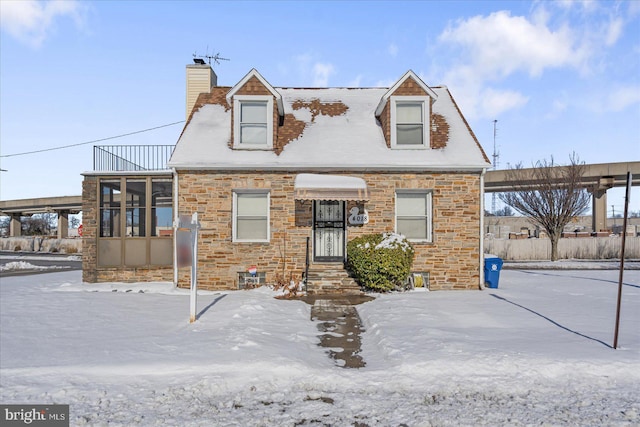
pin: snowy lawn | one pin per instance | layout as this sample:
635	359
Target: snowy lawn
535	351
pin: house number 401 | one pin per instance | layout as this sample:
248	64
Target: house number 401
356	217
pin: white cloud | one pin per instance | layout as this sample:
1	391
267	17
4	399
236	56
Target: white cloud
355	82
614	31
312	71
485	50
500	44
494	102
621	98
558	106
31	21
321	74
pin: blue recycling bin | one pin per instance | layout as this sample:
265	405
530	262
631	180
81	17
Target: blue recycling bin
492	267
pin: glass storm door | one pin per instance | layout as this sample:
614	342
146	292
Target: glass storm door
329	230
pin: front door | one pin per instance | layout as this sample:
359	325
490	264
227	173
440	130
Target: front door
328	230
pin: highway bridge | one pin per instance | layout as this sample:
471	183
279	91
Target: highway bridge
597	179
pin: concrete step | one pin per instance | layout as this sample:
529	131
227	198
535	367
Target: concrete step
330	281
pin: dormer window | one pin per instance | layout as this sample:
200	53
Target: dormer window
253	121
409	122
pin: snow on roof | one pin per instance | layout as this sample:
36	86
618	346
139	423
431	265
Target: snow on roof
350	141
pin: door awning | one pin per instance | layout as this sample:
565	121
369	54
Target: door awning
310	186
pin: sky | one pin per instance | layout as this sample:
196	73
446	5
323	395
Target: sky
559	77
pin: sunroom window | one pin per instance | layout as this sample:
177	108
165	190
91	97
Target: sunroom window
136	227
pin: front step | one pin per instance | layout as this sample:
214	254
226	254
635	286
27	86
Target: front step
331	280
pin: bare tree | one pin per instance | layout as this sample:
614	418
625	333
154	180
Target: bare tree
505	211
4	226
39	224
549	194
74	222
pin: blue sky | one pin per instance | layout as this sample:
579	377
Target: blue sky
560	77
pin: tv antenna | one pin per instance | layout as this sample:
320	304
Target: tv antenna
199	59
496	160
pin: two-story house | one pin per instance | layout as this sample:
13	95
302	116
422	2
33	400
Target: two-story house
275	173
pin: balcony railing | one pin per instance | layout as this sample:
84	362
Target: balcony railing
131	157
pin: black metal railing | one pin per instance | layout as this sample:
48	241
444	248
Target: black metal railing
131	157
306	267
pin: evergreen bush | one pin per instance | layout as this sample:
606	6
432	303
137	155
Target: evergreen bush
380	261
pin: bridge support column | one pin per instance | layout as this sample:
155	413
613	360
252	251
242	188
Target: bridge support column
15	226
599	210
599	203
63	224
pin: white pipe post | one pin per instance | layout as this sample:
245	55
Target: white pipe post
481	284
194	267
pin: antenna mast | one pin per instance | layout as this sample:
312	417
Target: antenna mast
216	58
496	160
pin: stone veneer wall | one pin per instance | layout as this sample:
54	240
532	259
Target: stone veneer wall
452	259
91	273
89	229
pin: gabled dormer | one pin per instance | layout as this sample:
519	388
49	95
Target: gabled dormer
404	112
256	110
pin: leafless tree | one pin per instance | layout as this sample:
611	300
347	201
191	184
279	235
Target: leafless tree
4	226
549	194
39	224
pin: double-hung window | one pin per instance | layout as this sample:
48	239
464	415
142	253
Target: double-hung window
409	121
413	215
253	121
250	216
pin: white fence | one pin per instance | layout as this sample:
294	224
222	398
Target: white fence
41	244
568	248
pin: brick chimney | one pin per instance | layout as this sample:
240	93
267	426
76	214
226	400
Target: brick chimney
200	78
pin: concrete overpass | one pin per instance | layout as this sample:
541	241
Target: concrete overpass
62	206
597	179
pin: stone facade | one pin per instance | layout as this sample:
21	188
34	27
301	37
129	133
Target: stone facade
89	229
452	259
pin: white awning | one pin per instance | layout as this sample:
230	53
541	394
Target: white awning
309	186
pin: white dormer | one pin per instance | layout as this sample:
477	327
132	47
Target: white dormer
253	114
409	114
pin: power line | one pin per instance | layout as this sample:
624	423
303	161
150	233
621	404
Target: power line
91	142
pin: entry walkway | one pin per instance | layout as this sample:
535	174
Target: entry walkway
340	326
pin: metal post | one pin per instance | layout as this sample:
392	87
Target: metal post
306	268
194	267
624	235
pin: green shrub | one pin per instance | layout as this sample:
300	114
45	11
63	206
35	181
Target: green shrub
380	262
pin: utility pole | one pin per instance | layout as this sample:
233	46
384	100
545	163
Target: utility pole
496	159
613	214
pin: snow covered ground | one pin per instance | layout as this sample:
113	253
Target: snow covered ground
535	351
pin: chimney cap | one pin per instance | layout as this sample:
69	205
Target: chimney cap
198	61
